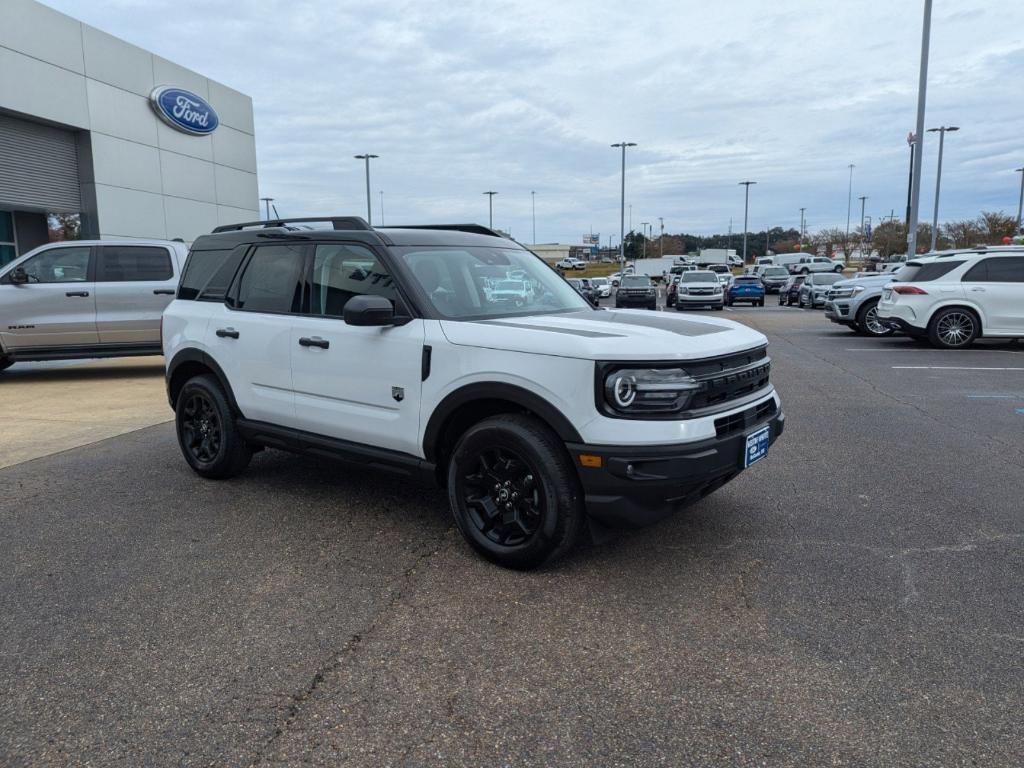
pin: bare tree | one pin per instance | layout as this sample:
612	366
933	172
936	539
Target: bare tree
965	233
997	225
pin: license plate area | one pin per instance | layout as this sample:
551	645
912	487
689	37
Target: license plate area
756	447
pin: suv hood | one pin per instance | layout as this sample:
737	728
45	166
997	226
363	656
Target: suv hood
607	335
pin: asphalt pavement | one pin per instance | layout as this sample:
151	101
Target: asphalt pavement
854	599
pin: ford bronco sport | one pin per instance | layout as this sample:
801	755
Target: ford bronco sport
381	346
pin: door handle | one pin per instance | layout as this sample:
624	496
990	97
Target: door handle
314	341
227	333
77	293
978	290
164	292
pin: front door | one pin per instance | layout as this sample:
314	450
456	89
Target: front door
134	284
360	384
56	307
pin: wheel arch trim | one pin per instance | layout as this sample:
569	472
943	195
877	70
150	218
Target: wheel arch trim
191	355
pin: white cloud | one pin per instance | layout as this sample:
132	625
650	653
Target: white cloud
514	96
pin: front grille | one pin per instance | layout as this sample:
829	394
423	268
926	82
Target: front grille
743	420
729	378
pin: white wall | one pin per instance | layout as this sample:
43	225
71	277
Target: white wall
146	179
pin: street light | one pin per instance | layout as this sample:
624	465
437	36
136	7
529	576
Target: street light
382	207
490	209
645	225
802	228
746	210
922	89
941	130
533	213
1020	205
367	158
661	237
622	208
849	206
863	199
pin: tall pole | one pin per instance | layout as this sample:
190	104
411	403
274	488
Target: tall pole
630	217
1020	205
746	210
645	225
369	211
382	207
910	177
922	88
622	205
941	130
267	201
661	237
849	207
533	213
802	228
490	209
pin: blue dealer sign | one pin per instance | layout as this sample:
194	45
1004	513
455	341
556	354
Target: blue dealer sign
184	110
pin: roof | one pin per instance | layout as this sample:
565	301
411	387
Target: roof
991	250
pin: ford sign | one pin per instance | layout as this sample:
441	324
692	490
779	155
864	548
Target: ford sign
184	110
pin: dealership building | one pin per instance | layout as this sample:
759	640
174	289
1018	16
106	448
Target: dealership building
129	143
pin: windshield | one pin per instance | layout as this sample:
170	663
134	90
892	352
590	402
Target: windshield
700	277
825	279
775	271
599	281
455	279
636	281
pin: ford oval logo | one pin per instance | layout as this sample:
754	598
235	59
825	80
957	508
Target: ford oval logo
184	110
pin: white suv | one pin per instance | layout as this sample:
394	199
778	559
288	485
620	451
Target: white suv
382	347
955	297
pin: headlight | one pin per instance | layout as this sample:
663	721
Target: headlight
858	289
648	390
683	289
718	289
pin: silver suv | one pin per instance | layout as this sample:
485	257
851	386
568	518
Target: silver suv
854	303
87	298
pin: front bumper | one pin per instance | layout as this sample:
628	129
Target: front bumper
637	486
839	312
638	300
709	300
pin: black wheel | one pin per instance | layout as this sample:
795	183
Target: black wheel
760	303
838	269
5	363
719	308
514	493
953	328
206	430
868	323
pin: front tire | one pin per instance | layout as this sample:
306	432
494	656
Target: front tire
207	433
953	328
867	321
5	363
514	493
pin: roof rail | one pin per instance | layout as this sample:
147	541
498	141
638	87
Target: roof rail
476	229
337	222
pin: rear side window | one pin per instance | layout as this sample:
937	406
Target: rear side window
133	263
271	280
923	273
199	268
1004	269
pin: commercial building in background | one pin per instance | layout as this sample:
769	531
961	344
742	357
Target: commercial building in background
104	139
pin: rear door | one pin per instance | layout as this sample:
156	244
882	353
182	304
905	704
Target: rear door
249	336
134	284
360	384
996	284
57	307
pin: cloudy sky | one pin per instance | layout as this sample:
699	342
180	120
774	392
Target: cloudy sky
459	98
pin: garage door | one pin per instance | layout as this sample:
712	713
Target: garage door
38	167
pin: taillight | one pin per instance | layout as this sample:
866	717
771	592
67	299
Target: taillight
910	290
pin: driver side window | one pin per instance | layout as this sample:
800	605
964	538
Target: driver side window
58	265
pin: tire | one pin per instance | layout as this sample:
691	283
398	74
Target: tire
838	270
867	321
207	434
953	328
5	363
805	271
719	308
518	461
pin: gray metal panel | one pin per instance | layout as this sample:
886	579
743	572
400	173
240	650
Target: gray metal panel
38	167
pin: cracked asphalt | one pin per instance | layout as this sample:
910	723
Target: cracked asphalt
855	599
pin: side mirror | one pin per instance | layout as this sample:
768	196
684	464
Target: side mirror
19	276
369	311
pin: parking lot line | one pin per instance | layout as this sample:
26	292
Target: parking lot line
950	368
901	350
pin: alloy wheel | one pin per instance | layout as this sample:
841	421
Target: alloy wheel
871	322
502	497
201	428
955	328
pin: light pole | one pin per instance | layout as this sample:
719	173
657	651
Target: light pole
661	237
849	207
622	208
490	209
367	157
802	228
910	175
746	210
1020	205
922	89
267	201
533	213
941	130
645	225
382	207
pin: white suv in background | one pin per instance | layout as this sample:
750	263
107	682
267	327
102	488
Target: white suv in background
382	347
955	297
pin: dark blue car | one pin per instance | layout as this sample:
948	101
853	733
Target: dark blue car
745	288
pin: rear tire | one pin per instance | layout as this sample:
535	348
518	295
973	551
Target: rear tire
514	492
5	363
953	328
207	433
